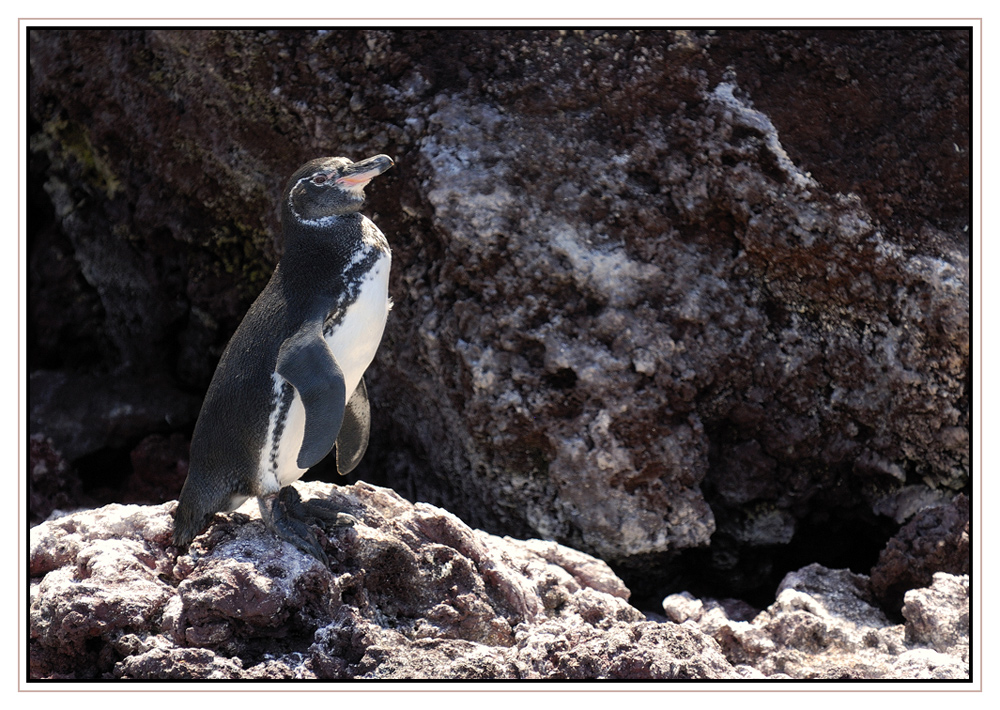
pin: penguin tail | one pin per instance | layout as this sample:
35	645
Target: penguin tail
195	508
187	523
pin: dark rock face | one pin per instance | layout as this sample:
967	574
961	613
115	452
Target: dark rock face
85	413
52	484
644	303
935	540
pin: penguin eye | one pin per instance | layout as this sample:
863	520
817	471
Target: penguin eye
319	179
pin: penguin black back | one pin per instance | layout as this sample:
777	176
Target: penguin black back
289	387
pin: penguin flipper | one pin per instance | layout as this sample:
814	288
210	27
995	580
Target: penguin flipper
306	362
353	439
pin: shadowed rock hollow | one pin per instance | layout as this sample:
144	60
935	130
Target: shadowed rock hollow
694	302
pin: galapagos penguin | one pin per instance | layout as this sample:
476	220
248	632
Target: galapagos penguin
290	387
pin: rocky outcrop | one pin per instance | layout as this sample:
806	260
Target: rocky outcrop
415	593
656	291
826	625
595	343
935	540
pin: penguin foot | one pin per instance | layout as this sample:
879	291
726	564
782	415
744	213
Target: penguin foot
283	514
328	512
318	509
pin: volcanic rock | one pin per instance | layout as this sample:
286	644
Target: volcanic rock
413	593
657	291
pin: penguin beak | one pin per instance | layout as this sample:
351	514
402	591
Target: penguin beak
358	174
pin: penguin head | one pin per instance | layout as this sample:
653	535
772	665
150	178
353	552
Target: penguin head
330	187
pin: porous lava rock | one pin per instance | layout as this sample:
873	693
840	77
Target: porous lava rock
655	290
935	540
413	593
825	625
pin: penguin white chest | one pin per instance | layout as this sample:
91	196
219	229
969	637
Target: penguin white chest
353	336
354	339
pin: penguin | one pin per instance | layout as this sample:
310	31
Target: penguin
290	385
